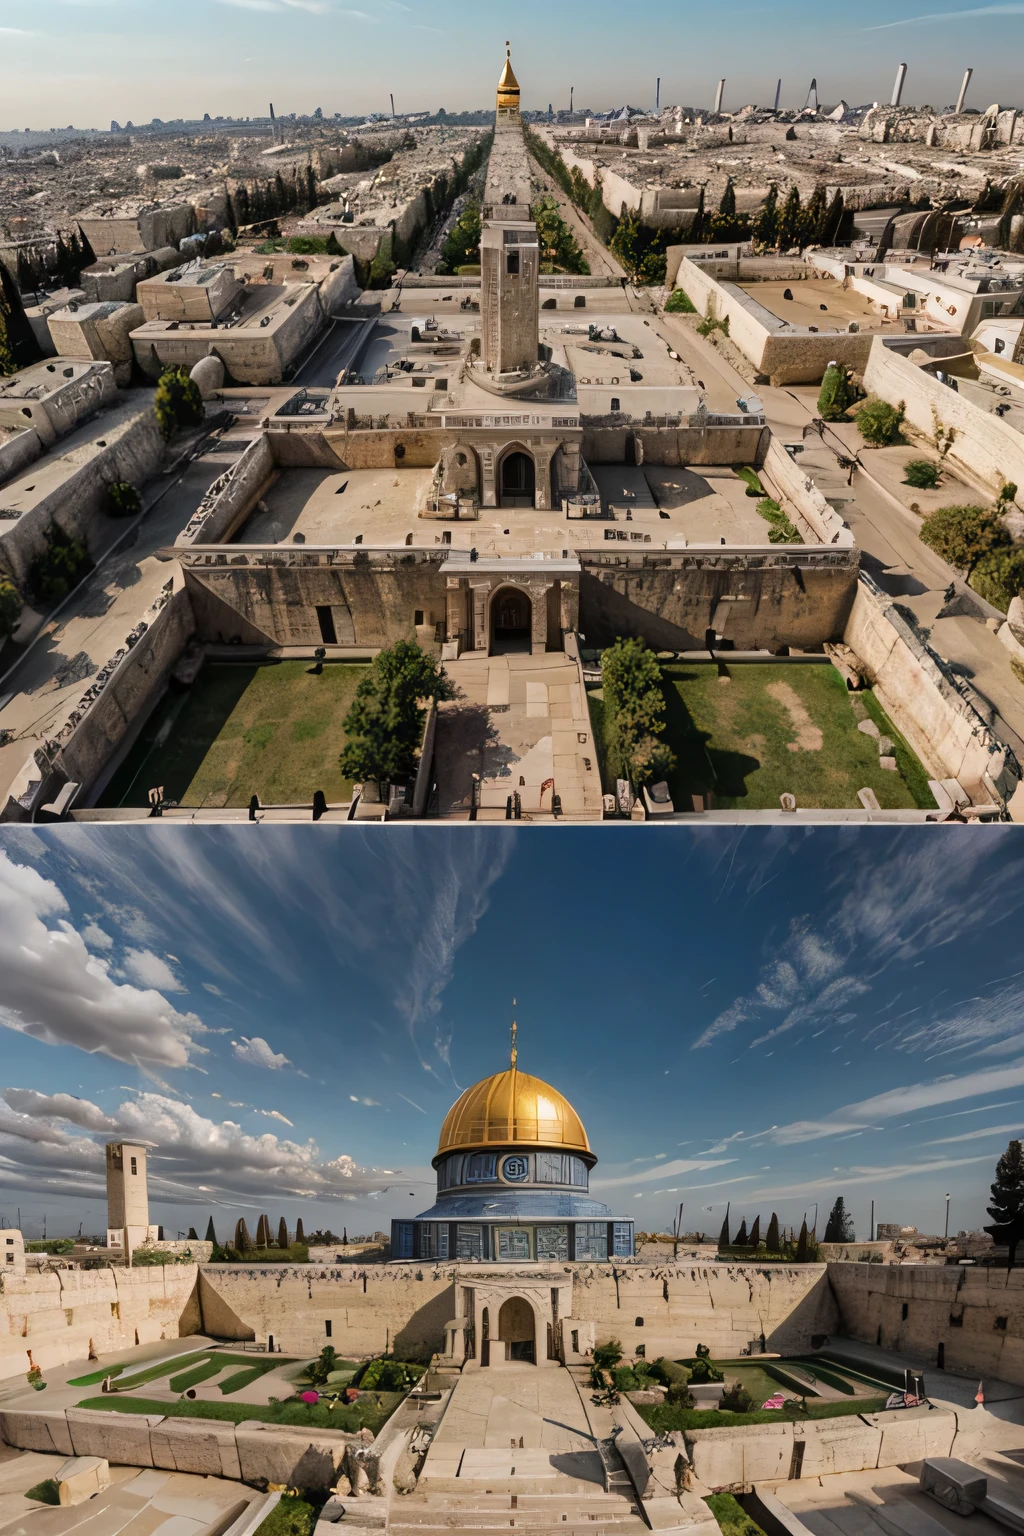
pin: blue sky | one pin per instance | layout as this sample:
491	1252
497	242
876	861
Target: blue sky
87	61
768	1017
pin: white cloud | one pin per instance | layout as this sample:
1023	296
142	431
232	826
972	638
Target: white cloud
95	937
858	1176
1015	9
150	971
901	1101
191	1155
52	988
208	986
663	1171
257	1053
275	1114
988	1130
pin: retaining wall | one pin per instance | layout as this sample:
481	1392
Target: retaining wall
790	484
17	450
985	447
232	497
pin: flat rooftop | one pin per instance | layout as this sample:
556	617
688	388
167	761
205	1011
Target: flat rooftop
819	302
657	506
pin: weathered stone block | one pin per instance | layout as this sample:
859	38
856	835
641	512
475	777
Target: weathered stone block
954	1484
123	1438
201	1446
80	1477
282	1454
36	1431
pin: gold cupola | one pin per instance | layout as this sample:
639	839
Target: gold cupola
512	1109
508	88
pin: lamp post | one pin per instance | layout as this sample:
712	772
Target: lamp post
946	1233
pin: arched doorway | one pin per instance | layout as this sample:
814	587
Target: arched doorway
511	622
518	480
516	1331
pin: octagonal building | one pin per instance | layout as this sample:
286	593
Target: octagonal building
513	1172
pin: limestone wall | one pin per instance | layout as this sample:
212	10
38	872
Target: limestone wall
232	497
985	447
340	288
61	1315
974	1313
783	475
758	600
73	490
922	697
17	451
610	441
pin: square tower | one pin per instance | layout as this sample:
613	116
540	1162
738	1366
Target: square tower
509	295
128	1196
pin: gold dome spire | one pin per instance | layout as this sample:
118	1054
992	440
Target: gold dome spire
512	1108
508	85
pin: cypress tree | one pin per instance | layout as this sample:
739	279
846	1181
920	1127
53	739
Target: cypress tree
261	1232
765	230
830	224
771	1241
727	207
755	1233
243	1242
741	1235
193	1235
723	1236
282	1233
839	1227
311	187
813	217
801	1247
300	1236
18	345
789	220
699	220
1007	1208
211	1236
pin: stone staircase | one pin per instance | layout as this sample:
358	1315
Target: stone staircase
478	1513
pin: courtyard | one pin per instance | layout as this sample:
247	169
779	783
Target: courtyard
744	733
818	301
272	729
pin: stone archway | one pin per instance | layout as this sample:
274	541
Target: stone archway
511	626
517	479
517	1331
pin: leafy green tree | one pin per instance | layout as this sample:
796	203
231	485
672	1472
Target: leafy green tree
635	706
999	577
839	1227
772	1241
1007	1208
922	474
10	606
178	403
60	567
462	247
123	500
790	221
837	393
559	249
640	250
607	1356
385	723
879	422
765	229
962	535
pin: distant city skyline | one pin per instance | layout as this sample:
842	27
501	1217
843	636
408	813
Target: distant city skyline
771	1017
88	62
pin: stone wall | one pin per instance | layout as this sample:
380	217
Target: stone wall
232	497
924	699
612	441
783	475
975	1314
758	600
17	451
986	449
60	1315
340	288
76	486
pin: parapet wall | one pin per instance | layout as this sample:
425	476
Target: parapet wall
973	1314
49	1319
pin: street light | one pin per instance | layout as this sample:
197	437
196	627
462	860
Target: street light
946	1234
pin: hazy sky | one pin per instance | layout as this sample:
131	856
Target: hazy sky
286	1014
87	61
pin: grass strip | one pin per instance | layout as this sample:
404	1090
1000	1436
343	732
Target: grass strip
201	1372
290	1516
910	769
366	1412
732	1518
240	1379
46	1492
95	1376
661	1417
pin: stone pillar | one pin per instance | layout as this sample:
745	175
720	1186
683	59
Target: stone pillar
480	638
488	487
455	609
539	616
542	456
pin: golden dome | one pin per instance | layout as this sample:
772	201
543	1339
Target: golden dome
508	85
509	1108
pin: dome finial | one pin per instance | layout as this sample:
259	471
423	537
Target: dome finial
515	1031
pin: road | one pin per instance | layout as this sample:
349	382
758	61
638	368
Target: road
886	533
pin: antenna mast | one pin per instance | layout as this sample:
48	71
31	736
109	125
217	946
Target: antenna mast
515	1031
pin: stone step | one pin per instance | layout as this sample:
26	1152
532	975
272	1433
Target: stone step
501	1502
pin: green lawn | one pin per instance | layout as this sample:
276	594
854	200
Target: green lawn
662	1417
271	729
770	729
372	1411
189	1370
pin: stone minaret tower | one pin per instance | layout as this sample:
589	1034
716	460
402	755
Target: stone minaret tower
128	1197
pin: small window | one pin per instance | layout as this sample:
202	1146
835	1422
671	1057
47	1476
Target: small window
461	460
417	617
327	1327
10	1258
616	403
325	618
10	1242
638	1322
904	1312
135	1168
400	447
1000	345
575	1341
1000	1323
512	263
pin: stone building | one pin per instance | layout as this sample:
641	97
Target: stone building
128	1224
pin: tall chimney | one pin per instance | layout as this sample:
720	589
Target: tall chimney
897	90
572	90
963	89
778	94
718	95
392	103
657	96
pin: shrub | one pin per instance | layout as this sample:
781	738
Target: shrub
308	245
1007	495
52	1245
383	1375
680	303
322	1367
635	710
752	479
60	568
962	535
736	1398
781	530
837	393
710	324
178	403
879	422
10	606
46	1492
607	1356
922	474
291	1516
999	577
123	500
679	1395
385	724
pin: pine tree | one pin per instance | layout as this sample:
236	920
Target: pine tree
282	1233
801	1247
723	1236
741	1235
771	1241
243	1242
211	1236
1007	1208
755	1233
300	1236
789	221
839	1227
